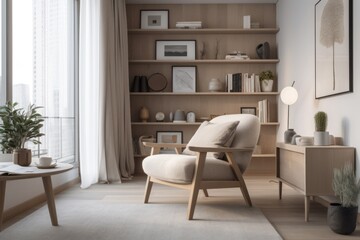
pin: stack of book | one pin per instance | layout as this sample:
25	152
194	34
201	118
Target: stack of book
264	111
236	55
192	25
242	82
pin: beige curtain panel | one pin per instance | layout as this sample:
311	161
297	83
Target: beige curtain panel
117	162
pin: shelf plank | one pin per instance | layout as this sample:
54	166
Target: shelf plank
205	31
205	94
206	61
186	124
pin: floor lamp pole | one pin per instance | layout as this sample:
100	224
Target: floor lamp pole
288	116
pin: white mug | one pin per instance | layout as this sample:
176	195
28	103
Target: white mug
45	161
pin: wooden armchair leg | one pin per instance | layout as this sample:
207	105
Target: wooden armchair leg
206	193
147	189
192	202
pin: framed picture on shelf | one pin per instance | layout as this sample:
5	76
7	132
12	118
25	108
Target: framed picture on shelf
248	110
154	19
333	48
184	79
169	137
175	49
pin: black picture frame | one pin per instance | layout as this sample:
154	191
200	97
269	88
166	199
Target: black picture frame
175	49
333	57
248	110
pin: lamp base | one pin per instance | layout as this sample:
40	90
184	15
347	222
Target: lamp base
288	134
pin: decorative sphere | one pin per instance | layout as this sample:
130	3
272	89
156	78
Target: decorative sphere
289	95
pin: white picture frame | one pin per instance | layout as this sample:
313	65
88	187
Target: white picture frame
184	79
154	19
175	49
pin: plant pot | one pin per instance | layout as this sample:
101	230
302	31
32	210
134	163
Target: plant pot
321	138
267	85
22	157
341	219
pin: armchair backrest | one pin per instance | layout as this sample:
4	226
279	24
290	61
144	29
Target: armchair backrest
246	135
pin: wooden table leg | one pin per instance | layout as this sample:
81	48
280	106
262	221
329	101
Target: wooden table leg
50	199
307	208
280	190
2	201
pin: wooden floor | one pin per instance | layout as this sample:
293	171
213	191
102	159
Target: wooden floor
286	215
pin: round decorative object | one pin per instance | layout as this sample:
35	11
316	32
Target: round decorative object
190	117
157	82
215	85
159	116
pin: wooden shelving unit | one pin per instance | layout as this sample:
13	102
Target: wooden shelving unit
222	25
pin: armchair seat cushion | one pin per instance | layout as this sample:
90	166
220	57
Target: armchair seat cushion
179	168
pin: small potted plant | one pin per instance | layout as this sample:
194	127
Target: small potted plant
18	127
321	136
342	216
267	80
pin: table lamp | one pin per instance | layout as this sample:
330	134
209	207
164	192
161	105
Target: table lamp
289	96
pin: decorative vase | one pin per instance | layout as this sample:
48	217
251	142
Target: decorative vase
144	114
267	85
263	50
136	84
215	85
321	138
22	157
179	116
288	134
144	84
341	219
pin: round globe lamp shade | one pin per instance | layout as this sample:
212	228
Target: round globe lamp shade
289	95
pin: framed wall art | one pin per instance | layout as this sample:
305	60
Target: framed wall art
169	137
248	110
175	49
184	79
154	19
333	47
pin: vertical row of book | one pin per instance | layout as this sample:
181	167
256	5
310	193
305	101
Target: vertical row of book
264	111
242	82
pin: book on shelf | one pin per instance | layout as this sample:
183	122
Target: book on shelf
242	82
264	111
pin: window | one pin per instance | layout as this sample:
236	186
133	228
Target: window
44	72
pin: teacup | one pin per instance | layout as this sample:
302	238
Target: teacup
45	161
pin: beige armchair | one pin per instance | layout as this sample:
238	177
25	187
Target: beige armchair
199	168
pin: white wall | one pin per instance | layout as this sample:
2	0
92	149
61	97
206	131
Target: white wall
297	63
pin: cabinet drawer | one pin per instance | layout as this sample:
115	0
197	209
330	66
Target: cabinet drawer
292	168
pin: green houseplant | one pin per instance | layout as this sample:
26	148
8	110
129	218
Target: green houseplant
321	136
17	127
342	216
267	80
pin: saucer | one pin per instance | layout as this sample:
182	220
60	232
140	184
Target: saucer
53	165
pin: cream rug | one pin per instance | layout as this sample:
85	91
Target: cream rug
109	220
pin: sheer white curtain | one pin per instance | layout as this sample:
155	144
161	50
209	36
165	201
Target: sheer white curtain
90	93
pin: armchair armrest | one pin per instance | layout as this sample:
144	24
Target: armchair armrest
219	149
155	147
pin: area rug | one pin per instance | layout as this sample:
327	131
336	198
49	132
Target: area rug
107	220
